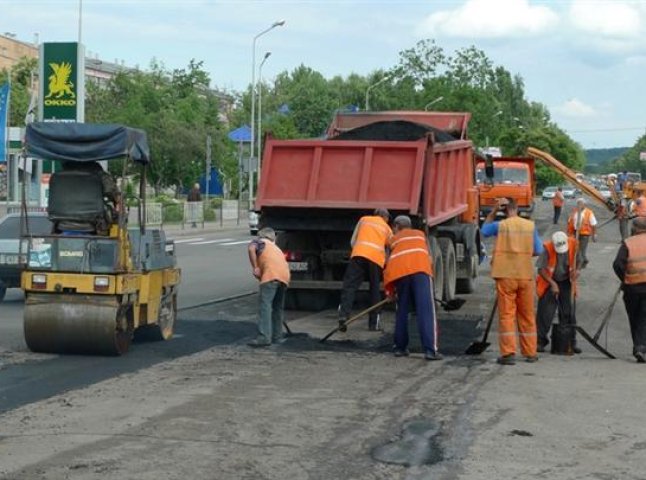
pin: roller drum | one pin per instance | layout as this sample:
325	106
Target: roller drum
85	324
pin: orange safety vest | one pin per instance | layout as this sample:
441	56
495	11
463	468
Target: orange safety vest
408	254
372	237
543	285
558	199
272	264
639	209
512	254
636	265
586	227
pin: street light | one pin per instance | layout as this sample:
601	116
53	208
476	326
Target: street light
433	102
387	77
267	54
279	23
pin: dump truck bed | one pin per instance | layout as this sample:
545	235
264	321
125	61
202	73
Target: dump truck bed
418	177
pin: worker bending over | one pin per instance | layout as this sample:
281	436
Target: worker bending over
556	285
367	260
517	241
409	272
269	266
630	267
582	225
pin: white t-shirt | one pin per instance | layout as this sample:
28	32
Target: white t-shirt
593	219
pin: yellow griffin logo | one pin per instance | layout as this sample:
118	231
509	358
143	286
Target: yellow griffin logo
59	81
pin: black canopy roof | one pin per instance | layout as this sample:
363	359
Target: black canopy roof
86	142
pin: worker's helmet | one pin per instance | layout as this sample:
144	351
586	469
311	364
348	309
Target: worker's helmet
559	239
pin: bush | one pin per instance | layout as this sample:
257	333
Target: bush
209	215
173	213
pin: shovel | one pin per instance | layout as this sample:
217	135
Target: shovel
476	348
594	340
451	305
357	317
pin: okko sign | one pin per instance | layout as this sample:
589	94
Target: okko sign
62	88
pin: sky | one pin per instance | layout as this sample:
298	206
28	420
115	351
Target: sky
584	59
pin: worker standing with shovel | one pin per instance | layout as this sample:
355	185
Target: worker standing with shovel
517	241
556	285
630	267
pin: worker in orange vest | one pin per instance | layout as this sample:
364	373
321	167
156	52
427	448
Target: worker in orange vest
269	266
639	206
517	241
555	282
582	222
630	267
409	272
367	260
557	202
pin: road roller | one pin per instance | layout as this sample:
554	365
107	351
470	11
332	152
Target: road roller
95	283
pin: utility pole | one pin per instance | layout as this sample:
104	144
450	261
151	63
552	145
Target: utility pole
208	167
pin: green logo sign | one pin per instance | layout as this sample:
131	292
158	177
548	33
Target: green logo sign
62	85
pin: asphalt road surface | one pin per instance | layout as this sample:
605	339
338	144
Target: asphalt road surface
206	406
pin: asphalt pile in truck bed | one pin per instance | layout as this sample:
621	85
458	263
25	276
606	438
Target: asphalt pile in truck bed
394	131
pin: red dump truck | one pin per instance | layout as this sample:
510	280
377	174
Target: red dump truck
415	163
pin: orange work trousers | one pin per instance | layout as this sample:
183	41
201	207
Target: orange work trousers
516	307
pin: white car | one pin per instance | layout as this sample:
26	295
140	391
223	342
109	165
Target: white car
549	193
254	218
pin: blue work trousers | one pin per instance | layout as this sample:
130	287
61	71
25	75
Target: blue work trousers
270	318
418	289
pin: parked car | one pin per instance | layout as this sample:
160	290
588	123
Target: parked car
253	222
10	264
549	193
569	191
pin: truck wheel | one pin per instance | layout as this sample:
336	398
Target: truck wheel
438	268
450	267
3	292
468	285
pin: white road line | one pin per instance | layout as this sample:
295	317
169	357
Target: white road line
186	240
208	242
240	242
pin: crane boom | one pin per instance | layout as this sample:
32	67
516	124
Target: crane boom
570	175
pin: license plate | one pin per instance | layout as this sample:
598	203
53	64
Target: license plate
298	266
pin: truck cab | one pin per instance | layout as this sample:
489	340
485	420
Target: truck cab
513	178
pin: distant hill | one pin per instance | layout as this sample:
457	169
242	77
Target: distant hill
601	156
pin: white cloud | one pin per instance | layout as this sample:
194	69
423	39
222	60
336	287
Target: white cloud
490	19
616	19
575	108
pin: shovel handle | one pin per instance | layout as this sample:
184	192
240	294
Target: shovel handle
357	317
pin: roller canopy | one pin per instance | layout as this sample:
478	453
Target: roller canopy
86	142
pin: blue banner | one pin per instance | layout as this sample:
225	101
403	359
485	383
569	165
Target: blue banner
4	111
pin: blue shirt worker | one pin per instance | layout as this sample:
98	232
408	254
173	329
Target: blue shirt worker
517	241
409	271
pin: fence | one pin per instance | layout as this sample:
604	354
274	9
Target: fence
193	213
153	214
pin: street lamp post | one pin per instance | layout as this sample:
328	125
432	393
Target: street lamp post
433	102
253	102
387	77
267	54
7	124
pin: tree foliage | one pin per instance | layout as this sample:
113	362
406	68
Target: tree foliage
177	110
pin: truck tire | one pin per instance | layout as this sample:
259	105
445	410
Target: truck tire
438	268
468	285
450	267
3	292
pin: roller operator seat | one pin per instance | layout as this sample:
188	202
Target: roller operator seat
76	202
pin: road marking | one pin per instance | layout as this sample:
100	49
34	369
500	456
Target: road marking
186	240
208	242
239	242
